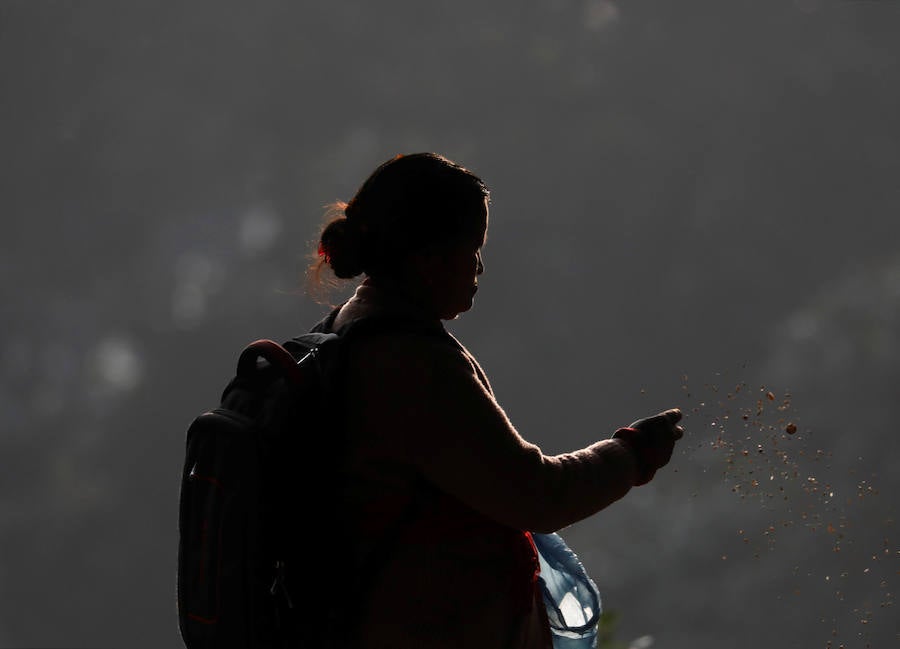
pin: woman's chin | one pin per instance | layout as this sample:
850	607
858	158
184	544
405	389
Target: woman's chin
458	310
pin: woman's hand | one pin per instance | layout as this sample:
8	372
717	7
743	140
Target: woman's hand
652	441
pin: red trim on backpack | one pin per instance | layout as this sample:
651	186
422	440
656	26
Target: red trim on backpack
203	620
213	481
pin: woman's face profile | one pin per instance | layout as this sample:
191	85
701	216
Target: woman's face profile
453	277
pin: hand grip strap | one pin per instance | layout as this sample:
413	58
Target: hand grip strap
275	354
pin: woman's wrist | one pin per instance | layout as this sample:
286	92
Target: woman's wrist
633	440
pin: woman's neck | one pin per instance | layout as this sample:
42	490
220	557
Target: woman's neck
400	295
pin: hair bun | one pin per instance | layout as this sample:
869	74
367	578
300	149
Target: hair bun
341	246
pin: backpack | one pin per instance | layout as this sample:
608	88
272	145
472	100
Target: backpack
251	492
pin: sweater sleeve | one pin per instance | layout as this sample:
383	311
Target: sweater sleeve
428	408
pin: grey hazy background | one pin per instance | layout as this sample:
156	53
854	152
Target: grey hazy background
688	198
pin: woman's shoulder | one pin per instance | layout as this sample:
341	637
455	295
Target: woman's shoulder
387	344
388	336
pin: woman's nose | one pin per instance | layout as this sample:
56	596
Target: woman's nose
479	268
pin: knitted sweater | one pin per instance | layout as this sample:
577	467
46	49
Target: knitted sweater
420	415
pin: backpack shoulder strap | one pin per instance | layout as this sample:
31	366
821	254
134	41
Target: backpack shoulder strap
376	556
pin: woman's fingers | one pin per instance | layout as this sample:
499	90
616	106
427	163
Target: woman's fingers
673	415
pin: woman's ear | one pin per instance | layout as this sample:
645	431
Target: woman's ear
424	265
417	272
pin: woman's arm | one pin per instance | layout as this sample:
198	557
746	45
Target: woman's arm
424	402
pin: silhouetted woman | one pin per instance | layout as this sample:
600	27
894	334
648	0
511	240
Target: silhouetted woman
431	453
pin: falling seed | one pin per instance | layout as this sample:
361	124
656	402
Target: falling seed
791	428
770	396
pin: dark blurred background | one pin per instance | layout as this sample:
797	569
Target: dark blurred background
694	204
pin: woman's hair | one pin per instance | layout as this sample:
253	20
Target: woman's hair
410	203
